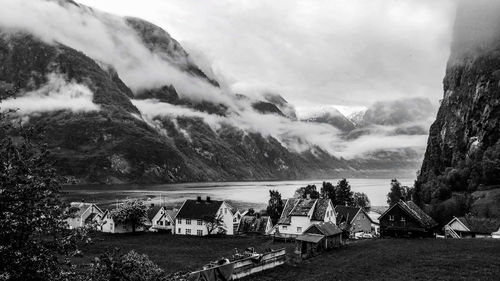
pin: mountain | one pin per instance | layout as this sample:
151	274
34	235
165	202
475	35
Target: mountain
118	100
461	168
331	116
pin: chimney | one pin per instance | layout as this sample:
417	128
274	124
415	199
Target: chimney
208	199
198	199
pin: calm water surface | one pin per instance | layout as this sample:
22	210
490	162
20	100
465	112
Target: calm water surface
243	194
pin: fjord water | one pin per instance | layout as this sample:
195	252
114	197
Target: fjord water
244	194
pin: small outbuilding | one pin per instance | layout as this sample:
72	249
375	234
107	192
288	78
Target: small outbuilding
318	238
472	227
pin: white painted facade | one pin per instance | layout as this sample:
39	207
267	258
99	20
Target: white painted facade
184	226
84	212
298	224
108	225
163	221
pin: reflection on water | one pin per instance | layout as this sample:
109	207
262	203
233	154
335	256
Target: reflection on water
246	194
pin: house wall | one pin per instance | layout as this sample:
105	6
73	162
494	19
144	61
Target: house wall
457	226
297	225
361	223
397	227
79	221
162	221
330	214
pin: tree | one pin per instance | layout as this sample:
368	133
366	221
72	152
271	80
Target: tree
304	192
215	223
275	206
132	212
328	191
114	266
35	243
343	193
395	194
361	200
406	193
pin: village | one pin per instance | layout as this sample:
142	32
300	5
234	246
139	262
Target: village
305	228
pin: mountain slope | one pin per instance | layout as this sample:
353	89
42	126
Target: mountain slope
463	151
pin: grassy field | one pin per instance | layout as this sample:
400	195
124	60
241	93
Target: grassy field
379	259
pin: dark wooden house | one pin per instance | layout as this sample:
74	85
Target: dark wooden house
356	218
406	219
318	238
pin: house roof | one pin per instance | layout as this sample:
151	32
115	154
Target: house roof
346	213
152	211
326	228
480	225
414	211
194	209
81	207
310	237
171	213
253	224
302	207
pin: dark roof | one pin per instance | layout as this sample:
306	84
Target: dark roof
326	228
346	213
152	211
194	209
253	224
415	212
310	237
91	217
302	207
320	209
480	225
81	207
172	213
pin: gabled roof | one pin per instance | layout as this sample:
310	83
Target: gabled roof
320	209
310	237
302	207
346	213
480	225
253	224
171	213
415	212
326	228
81	207
152	211
194	209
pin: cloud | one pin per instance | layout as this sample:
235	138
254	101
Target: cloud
313	52
56	94
105	38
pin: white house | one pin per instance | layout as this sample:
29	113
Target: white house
162	219
83	213
109	225
194	215
472	227
299	214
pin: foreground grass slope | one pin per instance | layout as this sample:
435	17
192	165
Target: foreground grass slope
379	259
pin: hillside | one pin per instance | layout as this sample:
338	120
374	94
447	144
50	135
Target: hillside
119	100
463	150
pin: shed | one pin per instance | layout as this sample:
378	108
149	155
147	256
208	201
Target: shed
318	238
472	227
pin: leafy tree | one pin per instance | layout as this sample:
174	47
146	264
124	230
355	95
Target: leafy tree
406	193
309	190
275	206
215	223
328	191
132	212
114	266
250	212
343	193
361	200
395	194
35	243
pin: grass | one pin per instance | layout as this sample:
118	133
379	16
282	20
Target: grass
378	259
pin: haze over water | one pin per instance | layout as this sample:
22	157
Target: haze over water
245	194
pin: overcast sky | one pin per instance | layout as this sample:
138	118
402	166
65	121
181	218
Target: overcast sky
331	52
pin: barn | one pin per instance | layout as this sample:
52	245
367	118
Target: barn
472	227
318	238
406	219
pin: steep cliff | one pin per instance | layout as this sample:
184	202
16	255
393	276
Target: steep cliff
462	159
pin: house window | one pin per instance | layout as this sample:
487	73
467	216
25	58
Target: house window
299	229
188	221
284	227
179	221
403	219
159	222
199	222
199	232
358	218
188	231
179	230
391	218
